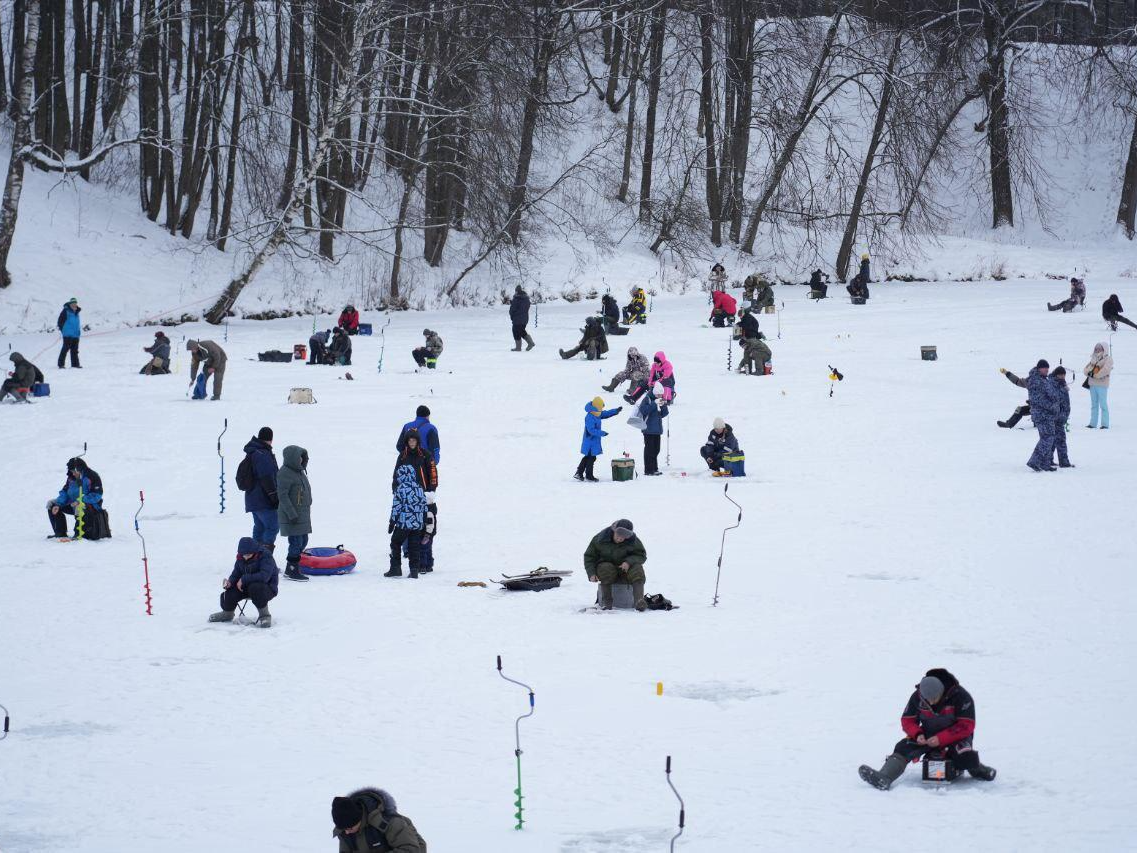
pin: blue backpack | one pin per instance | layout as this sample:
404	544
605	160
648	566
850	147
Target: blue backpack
199	387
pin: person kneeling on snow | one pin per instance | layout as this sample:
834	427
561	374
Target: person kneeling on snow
82	484
616	555
160	356
318	347
723	310
756	354
367	820
939	716
720	442
662	372
255	577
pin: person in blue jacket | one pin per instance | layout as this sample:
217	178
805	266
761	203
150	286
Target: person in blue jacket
653	415
255	576
427	432
261	500
80	480
70	327
590	444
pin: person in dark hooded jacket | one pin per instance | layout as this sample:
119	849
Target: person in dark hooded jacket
340	350
368	820
82	492
255	576
1111	312
24	376
610	315
939	716
593	341
519	317
159	356
261	500
294	508
1042	397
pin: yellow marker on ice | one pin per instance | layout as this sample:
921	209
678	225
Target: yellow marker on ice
659	688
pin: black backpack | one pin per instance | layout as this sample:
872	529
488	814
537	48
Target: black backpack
658	602
246	480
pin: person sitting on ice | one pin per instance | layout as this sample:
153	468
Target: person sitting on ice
859	287
747	324
82	483
159	356
616	555
663	374
720	441
636	310
427	355
340	350
1023	410
756	355
593	341
610	315
636	370
367	820
1077	297
255	577
939	716
818	287
763	295
723	309
349	320
23	376
1111	312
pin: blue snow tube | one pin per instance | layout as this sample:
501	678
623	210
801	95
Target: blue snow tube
327	561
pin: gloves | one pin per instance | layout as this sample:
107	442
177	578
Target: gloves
619	409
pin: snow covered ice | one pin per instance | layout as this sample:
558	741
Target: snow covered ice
887	529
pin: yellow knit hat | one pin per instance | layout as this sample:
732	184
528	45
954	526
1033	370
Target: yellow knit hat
598	403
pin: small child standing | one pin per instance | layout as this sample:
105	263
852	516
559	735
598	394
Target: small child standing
407	523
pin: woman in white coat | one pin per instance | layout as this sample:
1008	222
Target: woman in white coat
1097	378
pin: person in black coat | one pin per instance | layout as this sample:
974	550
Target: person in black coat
939	718
340	350
748	325
593	341
610	315
817	285
519	317
859	286
1111	312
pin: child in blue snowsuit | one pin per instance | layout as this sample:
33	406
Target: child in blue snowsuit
590	444
408	521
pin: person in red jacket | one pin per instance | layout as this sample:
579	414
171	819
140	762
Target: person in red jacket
939	716
349	320
725	307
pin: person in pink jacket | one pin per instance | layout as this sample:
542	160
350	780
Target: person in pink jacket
662	373
725	307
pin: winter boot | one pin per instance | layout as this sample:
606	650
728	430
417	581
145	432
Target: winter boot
413	573
395	572
221	616
638	596
564	354
1003	424
1050	307
293	573
982	771
605	596
516	345
264	618
610	388
893	766
528	342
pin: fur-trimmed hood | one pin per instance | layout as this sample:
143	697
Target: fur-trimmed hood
386	801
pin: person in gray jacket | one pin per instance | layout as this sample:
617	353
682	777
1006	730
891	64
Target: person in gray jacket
294	509
212	359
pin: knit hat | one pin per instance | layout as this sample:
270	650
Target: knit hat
265	434
518	289
422	412
623	527
346	812
72	301
720	423
598	403
1042	362
865	256
426	331
931	689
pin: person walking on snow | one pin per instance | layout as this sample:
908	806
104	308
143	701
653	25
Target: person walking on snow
366	821
294	508
259	483
1023	410
255	576
1110	311
212	360
636	371
591	445
519	317
1097	375
1061	420
662	373
939	716
427	434
653	415
407	521
616	555
70	328
1042	397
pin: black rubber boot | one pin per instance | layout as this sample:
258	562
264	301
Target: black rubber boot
982	771
610	387
293	573
528	342
516	345
393	573
889	772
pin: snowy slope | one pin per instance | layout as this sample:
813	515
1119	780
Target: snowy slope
887	529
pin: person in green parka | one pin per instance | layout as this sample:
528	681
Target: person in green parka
616	555
369	820
294	510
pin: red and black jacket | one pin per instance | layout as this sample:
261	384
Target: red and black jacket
951	720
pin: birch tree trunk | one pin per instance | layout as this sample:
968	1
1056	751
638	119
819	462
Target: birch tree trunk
21	137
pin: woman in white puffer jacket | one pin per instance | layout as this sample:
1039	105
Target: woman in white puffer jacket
1097	376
